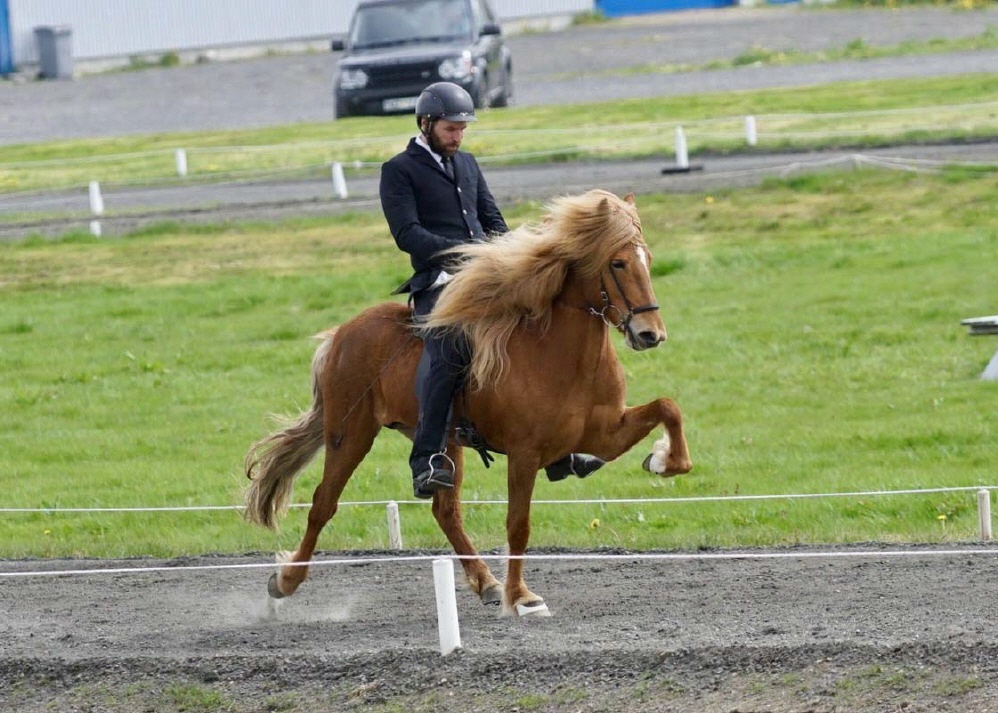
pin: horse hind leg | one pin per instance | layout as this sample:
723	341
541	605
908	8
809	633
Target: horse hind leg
340	463
447	512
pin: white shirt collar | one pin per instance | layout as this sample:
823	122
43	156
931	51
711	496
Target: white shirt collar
421	140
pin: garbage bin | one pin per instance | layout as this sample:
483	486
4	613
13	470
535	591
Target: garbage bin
55	51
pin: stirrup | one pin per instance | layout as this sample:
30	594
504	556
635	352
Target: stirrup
446	457
433	478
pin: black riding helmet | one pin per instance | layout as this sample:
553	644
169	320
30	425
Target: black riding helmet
444	100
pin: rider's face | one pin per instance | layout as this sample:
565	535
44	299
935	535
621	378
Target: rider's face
445	137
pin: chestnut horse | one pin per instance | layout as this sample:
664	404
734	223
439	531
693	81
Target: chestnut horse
538	306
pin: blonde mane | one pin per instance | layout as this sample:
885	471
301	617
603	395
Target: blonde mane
516	277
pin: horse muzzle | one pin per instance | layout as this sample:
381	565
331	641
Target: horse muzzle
644	333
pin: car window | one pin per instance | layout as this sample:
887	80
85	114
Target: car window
484	12
385	25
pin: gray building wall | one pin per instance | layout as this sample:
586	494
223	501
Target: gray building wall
103	29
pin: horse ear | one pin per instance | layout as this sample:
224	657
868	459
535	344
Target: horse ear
604	207
629	198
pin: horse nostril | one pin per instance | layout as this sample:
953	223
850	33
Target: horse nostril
650	338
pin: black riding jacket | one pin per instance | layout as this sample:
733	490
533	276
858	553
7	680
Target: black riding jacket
428	212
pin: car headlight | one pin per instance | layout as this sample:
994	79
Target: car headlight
458	68
353	79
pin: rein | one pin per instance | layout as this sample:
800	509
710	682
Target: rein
624	321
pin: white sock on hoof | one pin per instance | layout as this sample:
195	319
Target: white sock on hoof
659	455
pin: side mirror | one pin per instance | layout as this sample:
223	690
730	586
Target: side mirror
490	28
337	45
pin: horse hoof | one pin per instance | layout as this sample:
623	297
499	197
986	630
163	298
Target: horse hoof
533	610
492	596
653	464
273	590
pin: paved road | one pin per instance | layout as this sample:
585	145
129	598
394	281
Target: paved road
130	208
587	62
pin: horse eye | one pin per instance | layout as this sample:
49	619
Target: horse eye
618	264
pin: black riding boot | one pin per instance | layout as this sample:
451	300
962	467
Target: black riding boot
578	464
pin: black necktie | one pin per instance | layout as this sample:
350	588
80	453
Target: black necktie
448	167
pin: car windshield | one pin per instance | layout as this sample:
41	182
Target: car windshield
410	22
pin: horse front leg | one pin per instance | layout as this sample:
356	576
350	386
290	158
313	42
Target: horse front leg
447	511
611	437
517	599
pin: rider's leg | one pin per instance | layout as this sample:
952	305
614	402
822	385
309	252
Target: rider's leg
441	370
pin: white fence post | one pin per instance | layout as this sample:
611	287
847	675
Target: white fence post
96	208
751	136
181	160
339	182
984	513
96	200
443	582
394	526
682	155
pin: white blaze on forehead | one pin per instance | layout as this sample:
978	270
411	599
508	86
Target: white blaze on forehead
642	256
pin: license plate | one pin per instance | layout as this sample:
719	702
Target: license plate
400	104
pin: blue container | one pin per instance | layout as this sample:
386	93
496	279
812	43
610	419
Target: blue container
617	8
6	48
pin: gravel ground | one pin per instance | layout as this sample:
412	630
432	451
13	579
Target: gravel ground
896	629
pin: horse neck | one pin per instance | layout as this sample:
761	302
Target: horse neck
574	311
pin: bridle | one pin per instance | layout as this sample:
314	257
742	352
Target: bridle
623	323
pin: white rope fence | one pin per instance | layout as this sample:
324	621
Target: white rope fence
985	529
498	557
448	625
560	501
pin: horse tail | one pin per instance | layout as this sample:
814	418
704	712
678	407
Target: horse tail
273	463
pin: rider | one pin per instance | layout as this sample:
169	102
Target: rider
435	197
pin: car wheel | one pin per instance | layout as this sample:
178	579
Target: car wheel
480	95
505	95
341	110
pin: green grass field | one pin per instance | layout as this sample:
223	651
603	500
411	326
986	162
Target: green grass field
814	346
854	114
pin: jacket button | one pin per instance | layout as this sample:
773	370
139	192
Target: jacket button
465	212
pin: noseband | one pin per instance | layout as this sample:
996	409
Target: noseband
624	321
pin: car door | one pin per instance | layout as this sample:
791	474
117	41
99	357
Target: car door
490	46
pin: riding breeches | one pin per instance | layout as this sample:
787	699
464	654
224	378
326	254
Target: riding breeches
441	372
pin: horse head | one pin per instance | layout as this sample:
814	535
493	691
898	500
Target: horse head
621	260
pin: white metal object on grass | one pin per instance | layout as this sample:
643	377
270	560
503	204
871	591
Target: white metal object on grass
181	160
984	513
96	200
339	181
751	135
443	583
394	526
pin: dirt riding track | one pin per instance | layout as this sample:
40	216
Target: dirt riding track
905	629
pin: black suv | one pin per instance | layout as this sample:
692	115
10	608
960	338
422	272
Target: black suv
395	48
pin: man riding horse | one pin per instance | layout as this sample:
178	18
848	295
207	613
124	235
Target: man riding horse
434	198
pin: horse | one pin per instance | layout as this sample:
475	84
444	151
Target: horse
538	305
